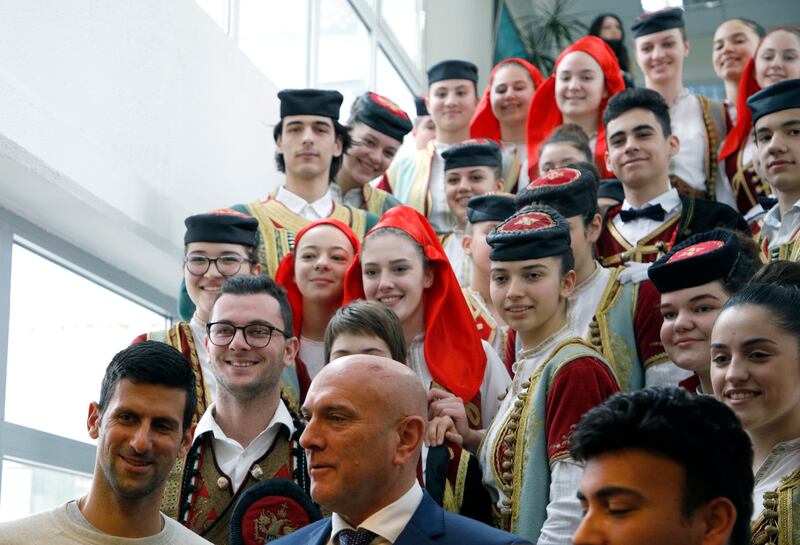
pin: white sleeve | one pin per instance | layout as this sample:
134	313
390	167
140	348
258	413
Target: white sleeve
495	383
564	509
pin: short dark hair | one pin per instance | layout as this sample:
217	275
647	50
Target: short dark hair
367	318
340	132
781	302
749	23
641	98
699	433
778	272
567	261
572	134
746	265
151	362
255	285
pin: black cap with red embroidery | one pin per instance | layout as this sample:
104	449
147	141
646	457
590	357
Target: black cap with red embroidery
532	233
698	260
572	190
383	115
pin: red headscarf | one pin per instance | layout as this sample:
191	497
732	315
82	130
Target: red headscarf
484	124
748	86
453	349
544	115
285	273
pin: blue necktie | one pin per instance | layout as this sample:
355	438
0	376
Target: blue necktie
356	537
653	212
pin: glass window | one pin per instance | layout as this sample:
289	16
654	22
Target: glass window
343	61
401	18
275	37
63	331
29	488
217	10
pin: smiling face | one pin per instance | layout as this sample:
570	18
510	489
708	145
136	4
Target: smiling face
139	433
735	43
660	56
755	370
632	497
321	259
203	289
778	149
638	152
530	296
308	144
465	182
394	274
371	153
689	316
580	85
778	58
244	372
451	103
511	93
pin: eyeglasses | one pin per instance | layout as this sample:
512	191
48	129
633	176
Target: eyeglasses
227	265
257	335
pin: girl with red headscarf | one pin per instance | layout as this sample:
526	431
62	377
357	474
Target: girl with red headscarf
501	115
402	266
769	65
585	76
313	275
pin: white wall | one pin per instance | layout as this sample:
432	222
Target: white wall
460	29
118	119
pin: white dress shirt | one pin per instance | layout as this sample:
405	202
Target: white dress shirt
388	523
321	208
460	262
635	230
783	460
312	354
233	459
780	229
198	328
495	377
440	216
585	299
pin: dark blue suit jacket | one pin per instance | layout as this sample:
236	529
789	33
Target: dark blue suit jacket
430	524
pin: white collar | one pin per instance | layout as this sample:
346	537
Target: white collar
322	206
669	201
208	423
390	521
773	216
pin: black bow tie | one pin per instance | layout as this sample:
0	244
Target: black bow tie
652	212
767	202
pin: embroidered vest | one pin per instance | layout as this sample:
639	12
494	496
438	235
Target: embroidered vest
779	521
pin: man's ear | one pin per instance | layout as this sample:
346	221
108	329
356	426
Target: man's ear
410	432
186	440
607	160
716	520
674	145
93	420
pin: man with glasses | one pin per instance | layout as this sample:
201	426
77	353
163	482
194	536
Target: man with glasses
247	435
217	246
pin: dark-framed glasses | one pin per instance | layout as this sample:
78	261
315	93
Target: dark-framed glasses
257	335
227	265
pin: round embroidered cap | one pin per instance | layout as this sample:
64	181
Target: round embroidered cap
490	207
452	69
320	102
269	510
698	260
775	98
479	152
656	21
224	225
532	233
572	191
383	115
